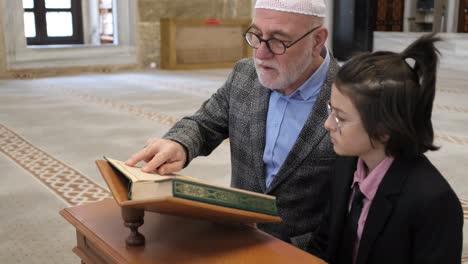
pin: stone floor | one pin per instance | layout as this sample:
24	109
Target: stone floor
52	130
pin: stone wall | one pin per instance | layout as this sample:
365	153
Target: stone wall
150	13
148	33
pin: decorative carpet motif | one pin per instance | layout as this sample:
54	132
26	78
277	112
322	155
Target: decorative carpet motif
169	120
185	84
451	139
448	108
452	91
162	119
73	187
465	208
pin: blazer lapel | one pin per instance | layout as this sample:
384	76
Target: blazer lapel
345	168
312	132
259	106
382	206
342	177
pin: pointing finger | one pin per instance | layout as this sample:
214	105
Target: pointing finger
170	167
154	163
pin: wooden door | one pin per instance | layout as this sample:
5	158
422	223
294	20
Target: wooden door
389	16
463	17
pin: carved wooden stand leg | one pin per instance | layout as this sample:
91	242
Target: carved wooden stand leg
133	219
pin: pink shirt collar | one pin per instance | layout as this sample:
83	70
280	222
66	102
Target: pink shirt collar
368	186
370	183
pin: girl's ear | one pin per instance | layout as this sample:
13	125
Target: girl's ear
379	140
384	138
383	135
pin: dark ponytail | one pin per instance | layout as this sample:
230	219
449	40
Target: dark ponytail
426	58
394	94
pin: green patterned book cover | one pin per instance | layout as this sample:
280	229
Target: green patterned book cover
142	185
228	197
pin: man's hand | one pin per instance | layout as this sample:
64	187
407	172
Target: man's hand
162	155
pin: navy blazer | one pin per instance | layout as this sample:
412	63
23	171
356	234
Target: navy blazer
415	216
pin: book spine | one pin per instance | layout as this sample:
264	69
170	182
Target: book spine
129	188
223	197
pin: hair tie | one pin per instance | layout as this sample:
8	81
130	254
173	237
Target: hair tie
412	65
410	62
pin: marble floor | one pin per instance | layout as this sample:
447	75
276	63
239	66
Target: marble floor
52	129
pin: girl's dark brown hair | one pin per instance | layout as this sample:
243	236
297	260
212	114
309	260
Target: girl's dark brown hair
394	94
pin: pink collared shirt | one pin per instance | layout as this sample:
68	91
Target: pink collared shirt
368	186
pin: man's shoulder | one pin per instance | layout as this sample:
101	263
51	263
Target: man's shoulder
244	65
244	74
333	66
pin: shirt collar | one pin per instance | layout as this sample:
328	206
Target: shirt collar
311	87
370	183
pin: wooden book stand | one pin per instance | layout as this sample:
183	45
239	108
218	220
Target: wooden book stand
171	239
133	211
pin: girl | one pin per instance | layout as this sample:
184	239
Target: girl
389	203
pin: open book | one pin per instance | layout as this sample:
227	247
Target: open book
143	186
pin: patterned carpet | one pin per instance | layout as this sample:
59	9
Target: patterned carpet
73	187
52	130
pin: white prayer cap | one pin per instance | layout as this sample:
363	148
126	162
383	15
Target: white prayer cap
307	7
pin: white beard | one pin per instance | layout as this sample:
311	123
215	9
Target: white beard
281	77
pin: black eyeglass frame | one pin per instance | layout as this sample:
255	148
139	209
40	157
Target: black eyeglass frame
280	41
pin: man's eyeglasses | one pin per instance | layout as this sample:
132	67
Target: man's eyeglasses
334	118
274	45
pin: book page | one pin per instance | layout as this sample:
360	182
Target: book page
135	174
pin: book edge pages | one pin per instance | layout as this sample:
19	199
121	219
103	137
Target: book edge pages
117	167
152	190
188	178
120	166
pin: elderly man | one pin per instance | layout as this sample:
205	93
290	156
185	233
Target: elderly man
272	108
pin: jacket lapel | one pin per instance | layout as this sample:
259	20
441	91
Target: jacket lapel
382	206
312	132
342	177
259	106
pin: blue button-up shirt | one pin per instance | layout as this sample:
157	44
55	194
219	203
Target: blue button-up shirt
287	115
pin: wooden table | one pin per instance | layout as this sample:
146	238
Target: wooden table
101	239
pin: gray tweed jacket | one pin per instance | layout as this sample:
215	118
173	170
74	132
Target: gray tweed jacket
238	111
